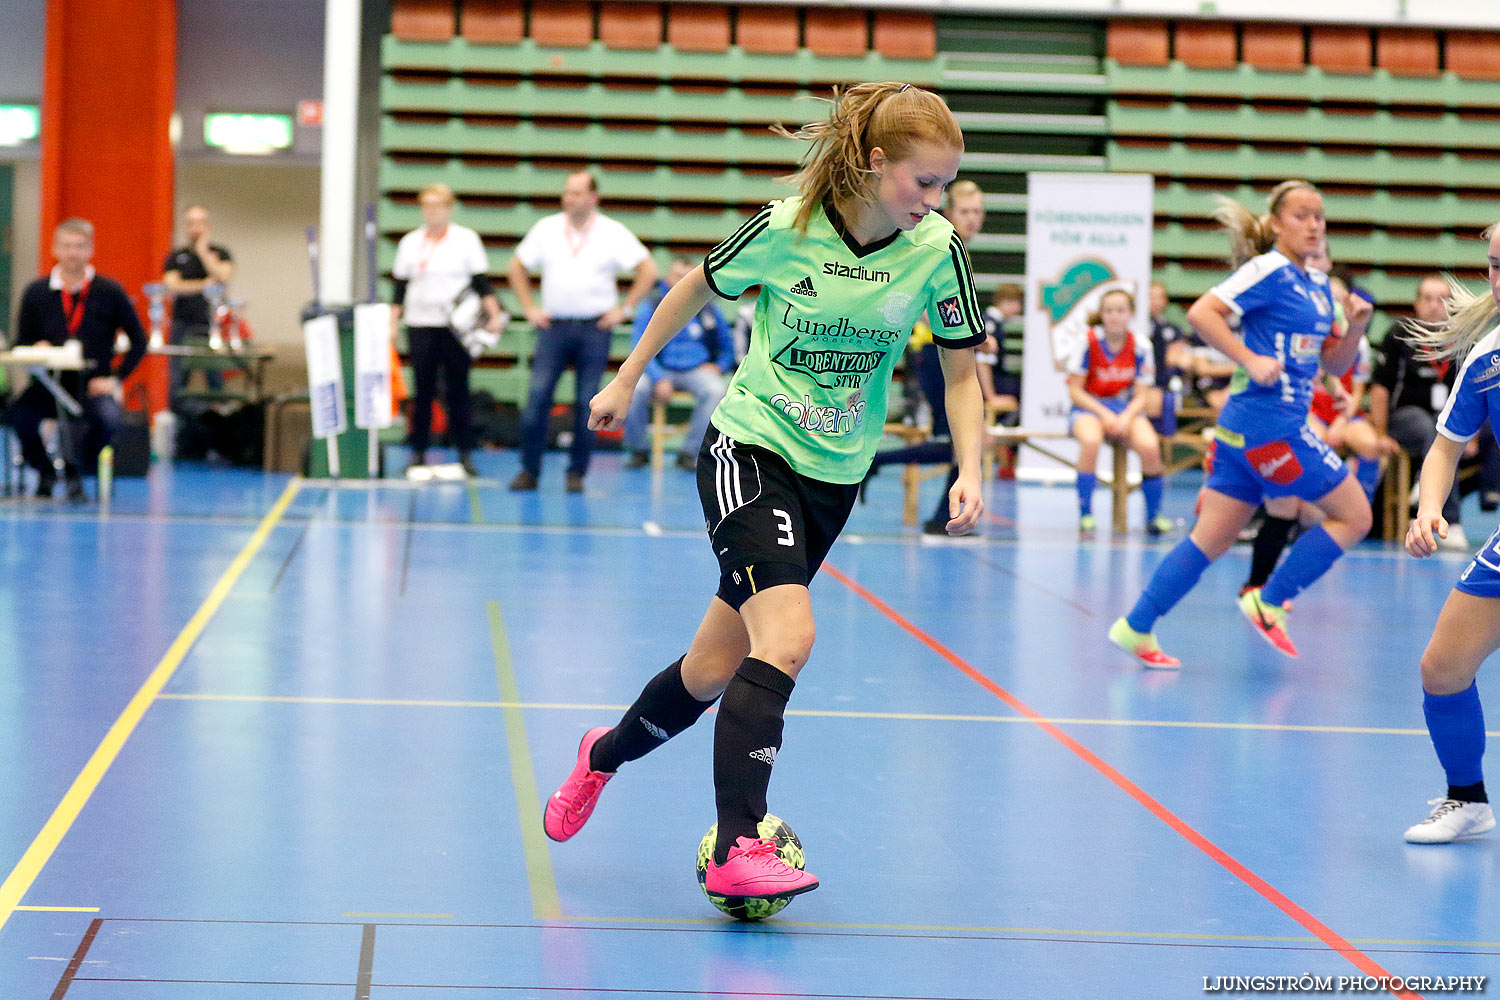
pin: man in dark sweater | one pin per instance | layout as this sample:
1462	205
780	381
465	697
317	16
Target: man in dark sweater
75	303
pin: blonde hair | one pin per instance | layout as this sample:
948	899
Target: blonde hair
1251	235
1470	318
1096	318
76	226
963	189
894	116
440	190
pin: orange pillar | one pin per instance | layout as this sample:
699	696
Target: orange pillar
109	86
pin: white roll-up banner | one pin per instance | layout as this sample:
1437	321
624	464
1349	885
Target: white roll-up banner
372	366
325	376
1085	235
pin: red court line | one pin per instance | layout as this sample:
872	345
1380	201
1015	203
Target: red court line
1324	933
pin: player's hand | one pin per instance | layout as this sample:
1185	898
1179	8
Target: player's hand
103	385
1422	537
663	390
964	505
612	318
608	408
1389	446
1358	311
539	320
1263	370
496	323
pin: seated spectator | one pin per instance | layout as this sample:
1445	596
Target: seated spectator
696	361
1000	359
1110	382
1170	352
75	303
1406	396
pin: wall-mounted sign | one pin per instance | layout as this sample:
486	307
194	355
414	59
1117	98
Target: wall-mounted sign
247	133
19	123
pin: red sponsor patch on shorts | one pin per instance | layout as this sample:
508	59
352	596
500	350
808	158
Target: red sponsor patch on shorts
1275	462
1208	458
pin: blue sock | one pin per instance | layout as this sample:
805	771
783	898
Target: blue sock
1456	724
1177	574
1368	476
1151	490
1309	558
1086	483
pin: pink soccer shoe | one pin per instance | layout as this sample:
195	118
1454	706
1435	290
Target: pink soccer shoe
753	869
572	804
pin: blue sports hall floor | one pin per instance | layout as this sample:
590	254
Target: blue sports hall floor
268	738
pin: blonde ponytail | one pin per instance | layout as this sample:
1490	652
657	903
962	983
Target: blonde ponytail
1470	318
1251	235
894	116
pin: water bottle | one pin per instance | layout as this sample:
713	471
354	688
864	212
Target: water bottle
164	436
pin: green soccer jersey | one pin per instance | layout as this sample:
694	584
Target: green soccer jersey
831	320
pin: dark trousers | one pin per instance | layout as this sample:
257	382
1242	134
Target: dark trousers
1414	428
192	335
434	347
101	418
929	369
568	343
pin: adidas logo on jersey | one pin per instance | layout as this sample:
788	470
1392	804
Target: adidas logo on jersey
766	755
655	730
805	287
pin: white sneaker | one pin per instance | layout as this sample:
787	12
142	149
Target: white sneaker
1456	541
1451	819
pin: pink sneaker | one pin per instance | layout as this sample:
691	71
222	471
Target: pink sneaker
1269	621
572	804
753	869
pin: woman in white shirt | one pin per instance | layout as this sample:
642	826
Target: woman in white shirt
434	265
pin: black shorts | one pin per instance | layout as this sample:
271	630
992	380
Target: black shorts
768	525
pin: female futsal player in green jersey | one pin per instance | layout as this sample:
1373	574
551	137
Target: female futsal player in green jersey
845	268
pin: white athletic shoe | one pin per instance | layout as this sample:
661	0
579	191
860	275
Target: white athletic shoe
1456	541
1451	819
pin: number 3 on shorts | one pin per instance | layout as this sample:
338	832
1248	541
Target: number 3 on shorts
784	522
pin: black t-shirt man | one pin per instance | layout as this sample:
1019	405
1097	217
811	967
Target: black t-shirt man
1412	382
191	310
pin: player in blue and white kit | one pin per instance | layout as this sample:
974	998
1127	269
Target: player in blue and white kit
1468	628
1263	448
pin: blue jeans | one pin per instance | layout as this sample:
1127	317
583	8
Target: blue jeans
707	386
102	416
568	343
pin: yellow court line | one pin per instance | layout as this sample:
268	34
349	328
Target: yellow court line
37	855
476	507
58	909
544	901
1039	931
1274	727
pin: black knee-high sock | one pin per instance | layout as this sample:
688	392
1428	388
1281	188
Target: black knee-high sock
663	709
747	737
1270	542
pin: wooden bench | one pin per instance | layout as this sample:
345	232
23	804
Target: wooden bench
1395	497
661	430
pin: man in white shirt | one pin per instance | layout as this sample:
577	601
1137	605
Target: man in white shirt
579	252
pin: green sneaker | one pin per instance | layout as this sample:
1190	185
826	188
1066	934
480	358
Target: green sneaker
1141	645
1160	525
1086	526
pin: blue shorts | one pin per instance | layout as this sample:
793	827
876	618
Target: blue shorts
1114	404
1300	466
1481	578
